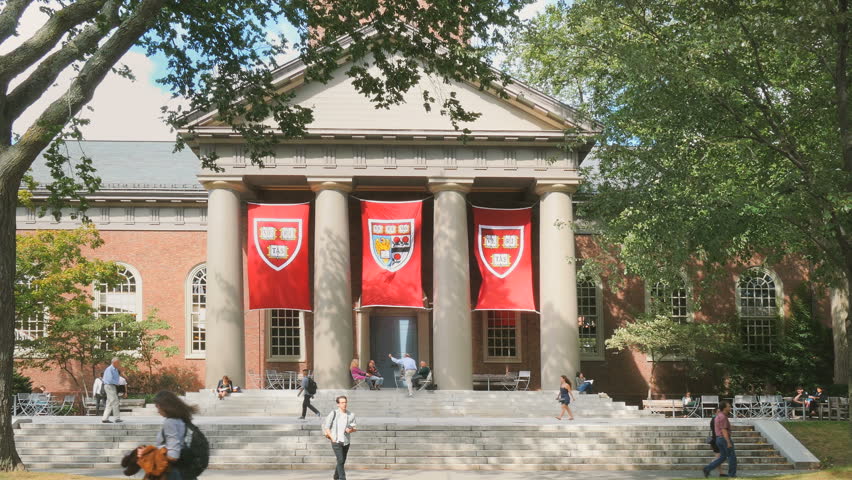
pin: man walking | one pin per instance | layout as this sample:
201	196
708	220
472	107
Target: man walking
111	381
724	441
337	427
309	389
409	367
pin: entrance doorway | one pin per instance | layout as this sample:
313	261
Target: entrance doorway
395	335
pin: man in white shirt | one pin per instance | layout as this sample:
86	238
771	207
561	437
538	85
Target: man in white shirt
337	427
99	393
111	381
409	367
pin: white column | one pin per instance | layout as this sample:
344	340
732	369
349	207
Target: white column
451	323
333	342
225	307
560	347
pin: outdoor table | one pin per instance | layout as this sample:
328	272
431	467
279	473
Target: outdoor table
488	378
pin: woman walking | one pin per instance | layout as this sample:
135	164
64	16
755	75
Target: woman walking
172	436
565	396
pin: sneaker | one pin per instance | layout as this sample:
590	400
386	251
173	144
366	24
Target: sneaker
318	414
118	420
105	421
705	472
301	418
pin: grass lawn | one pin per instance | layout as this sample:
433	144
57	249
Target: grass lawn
831	442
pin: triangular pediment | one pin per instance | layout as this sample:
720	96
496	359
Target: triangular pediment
338	107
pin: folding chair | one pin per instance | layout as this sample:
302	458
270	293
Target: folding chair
693	410
274	380
744	406
398	379
426	382
359	382
709	402
40	404
523	378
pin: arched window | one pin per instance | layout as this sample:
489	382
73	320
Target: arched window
758	293
670	299
125	297
590	318
196	312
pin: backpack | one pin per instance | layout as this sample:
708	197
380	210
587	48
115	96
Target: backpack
311	388
195	456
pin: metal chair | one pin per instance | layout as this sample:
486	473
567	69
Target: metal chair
40	403
23	406
709	402
744	406
426	382
523	378
692	409
274	380
359	382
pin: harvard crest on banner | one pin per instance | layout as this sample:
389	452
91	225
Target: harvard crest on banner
391	273
277	256
504	257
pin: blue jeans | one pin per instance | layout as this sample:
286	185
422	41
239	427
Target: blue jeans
584	387
725	453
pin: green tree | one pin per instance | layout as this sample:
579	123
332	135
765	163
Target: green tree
219	59
52	280
663	339
726	133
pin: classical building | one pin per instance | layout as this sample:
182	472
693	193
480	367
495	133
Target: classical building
180	234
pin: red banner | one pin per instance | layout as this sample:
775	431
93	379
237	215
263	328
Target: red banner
390	276
278	256
505	259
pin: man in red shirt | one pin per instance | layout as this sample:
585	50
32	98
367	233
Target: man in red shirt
724	441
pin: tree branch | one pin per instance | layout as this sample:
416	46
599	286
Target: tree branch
47	37
39	135
40	80
10	16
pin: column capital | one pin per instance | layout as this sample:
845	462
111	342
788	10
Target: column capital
461	185
340	184
229	183
542	187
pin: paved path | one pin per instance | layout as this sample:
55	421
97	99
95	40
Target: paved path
427	475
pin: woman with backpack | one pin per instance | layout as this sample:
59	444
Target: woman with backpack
178	417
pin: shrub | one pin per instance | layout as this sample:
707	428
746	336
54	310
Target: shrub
21	383
174	379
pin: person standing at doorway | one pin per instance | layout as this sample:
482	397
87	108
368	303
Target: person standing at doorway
338	425
309	389
111	381
409	367
724	441
99	393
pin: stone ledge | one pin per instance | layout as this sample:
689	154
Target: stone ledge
788	445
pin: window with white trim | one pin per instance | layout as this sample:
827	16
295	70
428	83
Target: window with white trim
502	334
286	334
33	325
120	298
757	303
196	301
670	299
589	315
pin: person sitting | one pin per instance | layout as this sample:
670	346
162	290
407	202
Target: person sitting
687	400
224	388
358	374
800	401
583	385
421	375
816	400
376	380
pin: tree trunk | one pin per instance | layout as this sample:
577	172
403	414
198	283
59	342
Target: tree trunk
9	183
839	313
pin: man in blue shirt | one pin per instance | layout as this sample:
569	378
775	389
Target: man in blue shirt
409	367
111	380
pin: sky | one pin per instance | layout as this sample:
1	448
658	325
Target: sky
123	109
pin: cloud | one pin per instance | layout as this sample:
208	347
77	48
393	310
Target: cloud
533	9
122	109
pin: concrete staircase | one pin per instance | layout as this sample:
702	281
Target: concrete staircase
395	403
663	445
